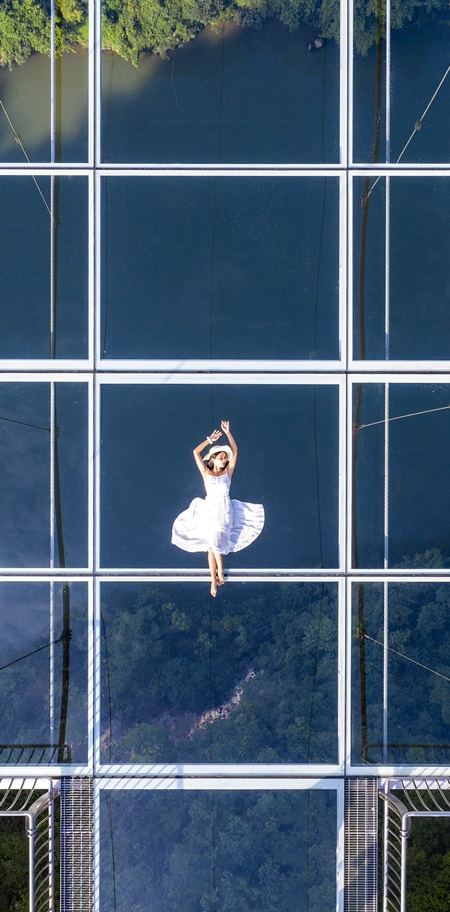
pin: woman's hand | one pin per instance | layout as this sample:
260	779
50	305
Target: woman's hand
225	425
215	435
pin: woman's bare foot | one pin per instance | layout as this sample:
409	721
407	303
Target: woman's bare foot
212	564
220	580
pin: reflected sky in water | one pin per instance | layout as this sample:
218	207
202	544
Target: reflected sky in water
26	266
419	60
220	268
25	93
418	290
238	94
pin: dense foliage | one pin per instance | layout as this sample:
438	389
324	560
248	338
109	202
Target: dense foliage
25	27
232	851
253	681
13	865
428	866
24	685
418	669
131	27
251	677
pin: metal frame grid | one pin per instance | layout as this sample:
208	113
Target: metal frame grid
77	844
419	798
223	783
385	769
343	373
361	845
17	801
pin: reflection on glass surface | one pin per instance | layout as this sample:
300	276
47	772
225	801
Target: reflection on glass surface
252	679
43	673
238	851
419	107
25	444
232	94
419	293
25	94
288	461
26	267
235	268
412	728
417	524
419	62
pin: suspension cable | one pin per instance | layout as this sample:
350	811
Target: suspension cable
440	408
417	125
408	658
20	143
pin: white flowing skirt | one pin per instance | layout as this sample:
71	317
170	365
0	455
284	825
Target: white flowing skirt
220	523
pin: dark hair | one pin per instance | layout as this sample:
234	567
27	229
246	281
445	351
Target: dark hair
210	462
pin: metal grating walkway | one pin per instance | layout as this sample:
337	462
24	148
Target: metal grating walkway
403	800
361	845
77	846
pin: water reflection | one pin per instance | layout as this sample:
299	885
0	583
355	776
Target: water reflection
237	94
406	720
220	268
419	60
33	284
410	321
250	678
25	92
239	851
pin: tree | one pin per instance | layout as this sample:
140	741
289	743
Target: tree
428	866
13	864
24	27
254	682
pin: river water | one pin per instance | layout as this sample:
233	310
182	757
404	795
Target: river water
234	95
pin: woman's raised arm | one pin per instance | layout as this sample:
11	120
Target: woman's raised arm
198	449
225	425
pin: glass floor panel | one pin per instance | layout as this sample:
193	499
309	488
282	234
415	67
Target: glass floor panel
400	676
220	268
233	94
249	679
45	287
405	458
44	509
207	266
239	850
43	673
409	123
401	289
25	112
148	474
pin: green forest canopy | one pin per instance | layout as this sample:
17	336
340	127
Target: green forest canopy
130	27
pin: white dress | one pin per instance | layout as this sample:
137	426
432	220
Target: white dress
217	521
